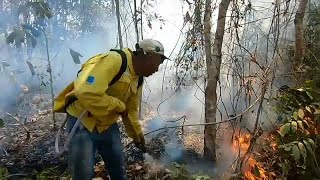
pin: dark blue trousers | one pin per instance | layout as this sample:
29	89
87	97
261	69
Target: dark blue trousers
83	146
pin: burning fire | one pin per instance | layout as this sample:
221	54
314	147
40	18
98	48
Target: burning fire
254	170
241	142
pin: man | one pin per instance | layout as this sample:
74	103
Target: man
100	103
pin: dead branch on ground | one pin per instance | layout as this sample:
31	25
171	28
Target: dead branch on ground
24	127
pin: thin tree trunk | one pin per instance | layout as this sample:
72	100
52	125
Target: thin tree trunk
213	73
55	23
119	24
64	19
299	44
84	16
135	20
141	22
112	8
49	70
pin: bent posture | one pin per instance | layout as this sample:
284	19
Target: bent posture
108	86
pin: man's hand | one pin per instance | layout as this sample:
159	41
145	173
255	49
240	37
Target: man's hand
141	144
138	140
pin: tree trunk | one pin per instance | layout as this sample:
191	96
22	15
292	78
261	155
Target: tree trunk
213	71
141	22
84	13
55	23
49	70
119	24
135	20
299	44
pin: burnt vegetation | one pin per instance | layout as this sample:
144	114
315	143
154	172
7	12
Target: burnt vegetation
240	98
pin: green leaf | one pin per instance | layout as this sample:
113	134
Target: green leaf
31	68
303	150
316	103
308	108
1	123
311	143
294	125
176	165
3	172
300	113
284	129
295	115
285	166
300	89
286	147
309	83
75	56
309	94
17	37
307	144
256	171
296	153
300	124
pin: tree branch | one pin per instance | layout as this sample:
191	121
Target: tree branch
24	127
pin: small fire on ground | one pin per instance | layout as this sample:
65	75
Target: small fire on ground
253	170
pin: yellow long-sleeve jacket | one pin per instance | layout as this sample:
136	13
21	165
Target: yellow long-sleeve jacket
104	102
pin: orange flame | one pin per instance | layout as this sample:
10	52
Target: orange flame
254	170
241	142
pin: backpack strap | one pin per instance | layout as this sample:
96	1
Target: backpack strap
117	77
123	66
140	82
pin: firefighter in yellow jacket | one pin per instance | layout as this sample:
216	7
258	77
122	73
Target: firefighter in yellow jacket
97	100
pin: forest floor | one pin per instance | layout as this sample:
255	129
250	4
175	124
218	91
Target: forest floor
171	154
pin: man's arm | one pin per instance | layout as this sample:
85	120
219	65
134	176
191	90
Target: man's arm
130	121
92	83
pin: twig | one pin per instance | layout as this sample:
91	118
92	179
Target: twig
56	144
19	174
256	132
5	152
182	130
196	124
51	79
315	159
204	124
24	127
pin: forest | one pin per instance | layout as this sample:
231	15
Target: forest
237	98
